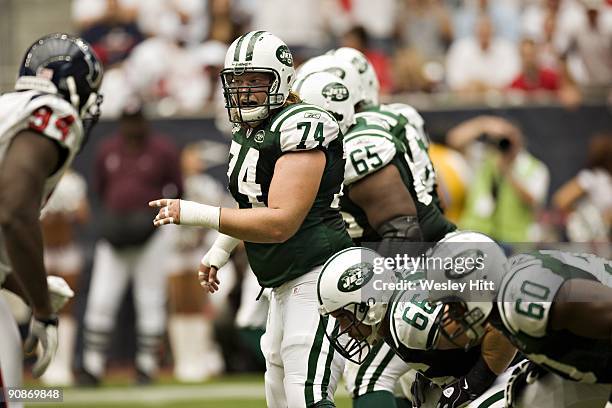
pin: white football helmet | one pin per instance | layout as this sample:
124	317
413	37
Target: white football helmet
257	51
337	66
347	284
329	92
465	257
369	80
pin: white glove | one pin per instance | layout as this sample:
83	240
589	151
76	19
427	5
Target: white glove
44	332
220	252
59	292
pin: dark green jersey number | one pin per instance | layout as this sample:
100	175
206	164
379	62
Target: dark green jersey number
318	133
370	161
533	290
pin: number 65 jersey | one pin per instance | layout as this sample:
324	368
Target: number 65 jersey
50	116
525	301
370	146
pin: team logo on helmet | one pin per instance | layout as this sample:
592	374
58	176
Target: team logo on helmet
284	55
464	264
355	277
336	92
339	72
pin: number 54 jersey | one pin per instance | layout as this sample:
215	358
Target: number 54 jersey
525	301
253	156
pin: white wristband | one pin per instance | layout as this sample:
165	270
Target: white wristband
200	215
219	253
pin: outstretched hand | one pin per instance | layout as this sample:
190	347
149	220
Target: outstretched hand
169	211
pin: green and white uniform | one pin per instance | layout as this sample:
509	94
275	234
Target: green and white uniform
583	366
525	301
301	366
253	155
380	138
370	146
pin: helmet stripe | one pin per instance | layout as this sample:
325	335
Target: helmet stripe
238	46
251	46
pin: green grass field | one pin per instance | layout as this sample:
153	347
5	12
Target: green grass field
226	392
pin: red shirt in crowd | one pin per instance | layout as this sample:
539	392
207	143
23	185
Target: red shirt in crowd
126	179
547	79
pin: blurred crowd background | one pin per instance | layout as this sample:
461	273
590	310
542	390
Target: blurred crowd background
515	94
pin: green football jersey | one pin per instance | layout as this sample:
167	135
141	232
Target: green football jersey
252	158
370	145
525	300
400	118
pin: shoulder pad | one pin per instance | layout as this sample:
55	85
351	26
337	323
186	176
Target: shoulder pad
526	294
56	119
304	127
367	150
413	323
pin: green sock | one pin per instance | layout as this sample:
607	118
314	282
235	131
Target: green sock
376	399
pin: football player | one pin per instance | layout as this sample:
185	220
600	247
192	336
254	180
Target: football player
369	314
555	307
385	201
43	124
285	171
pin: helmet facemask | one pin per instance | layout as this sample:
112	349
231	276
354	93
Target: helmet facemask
351	342
459	319
234	92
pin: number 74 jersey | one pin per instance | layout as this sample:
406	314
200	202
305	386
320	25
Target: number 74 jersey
525	300
252	160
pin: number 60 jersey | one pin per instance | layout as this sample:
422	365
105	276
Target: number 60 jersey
525	301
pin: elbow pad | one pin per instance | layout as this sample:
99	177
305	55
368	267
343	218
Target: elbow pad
394	232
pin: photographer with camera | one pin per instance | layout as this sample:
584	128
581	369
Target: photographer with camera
508	184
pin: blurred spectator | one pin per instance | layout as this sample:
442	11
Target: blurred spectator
109	26
66	210
131	168
476	64
453	176
301	24
378	18
504	15
564	15
86	13
357	37
186	21
425	32
587	198
509	185
425	26
589	52
533	76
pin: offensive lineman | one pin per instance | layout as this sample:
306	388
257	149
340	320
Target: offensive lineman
555	307
285	171
389	197
43	125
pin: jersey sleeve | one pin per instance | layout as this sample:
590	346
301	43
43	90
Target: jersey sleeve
366	152
526	295
55	119
305	127
413	322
